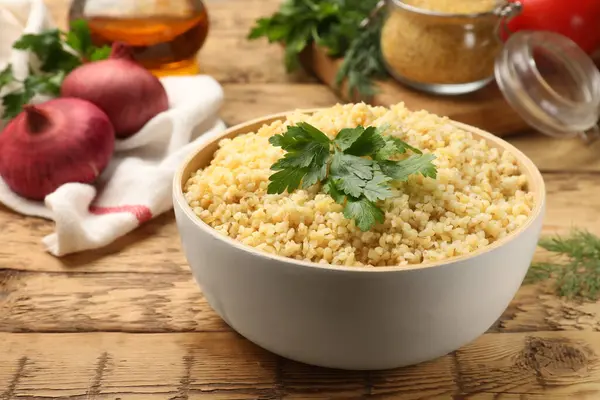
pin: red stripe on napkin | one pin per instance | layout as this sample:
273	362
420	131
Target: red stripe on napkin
142	213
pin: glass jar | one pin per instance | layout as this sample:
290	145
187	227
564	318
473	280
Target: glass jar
549	80
165	35
443	52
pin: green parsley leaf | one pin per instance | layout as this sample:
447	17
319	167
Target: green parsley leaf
363	61
314	133
293	139
79	37
369	143
347	136
351	173
100	53
393	146
48	84
377	188
342	167
347	164
287	179
401	170
316	173
301	38
306	146
6	76
297	137
48	48
58	54
330	188
364	212
13	102
303	157
336	26
306	159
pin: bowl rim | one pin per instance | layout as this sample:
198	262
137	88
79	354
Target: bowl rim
246	127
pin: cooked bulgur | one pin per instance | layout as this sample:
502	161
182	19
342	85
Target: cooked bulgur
478	197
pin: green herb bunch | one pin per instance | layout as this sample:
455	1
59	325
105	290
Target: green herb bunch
355	168
337	26
57	53
576	267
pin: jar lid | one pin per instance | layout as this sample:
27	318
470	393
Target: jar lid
550	82
544	76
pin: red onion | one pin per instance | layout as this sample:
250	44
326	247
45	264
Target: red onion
129	94
53	143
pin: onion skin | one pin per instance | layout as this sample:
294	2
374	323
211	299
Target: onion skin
60	141
128	93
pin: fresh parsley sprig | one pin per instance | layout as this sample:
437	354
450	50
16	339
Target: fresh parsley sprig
575	268
363	62
58	53
335	25
355	168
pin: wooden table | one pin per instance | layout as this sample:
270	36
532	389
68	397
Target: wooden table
128	322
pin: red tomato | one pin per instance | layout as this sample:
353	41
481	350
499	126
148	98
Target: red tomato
579	20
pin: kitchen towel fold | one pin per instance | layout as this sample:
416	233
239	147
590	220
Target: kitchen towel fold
136	186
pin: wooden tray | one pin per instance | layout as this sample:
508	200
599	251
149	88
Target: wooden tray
485	109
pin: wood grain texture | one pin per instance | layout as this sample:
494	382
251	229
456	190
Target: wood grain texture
541	363
125	302
152	248
536	308
131	302
141	283
128	321
226	366
109	366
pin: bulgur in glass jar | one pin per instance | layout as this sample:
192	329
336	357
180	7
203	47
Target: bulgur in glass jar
443	46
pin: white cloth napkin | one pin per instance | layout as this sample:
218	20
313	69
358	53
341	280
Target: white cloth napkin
136	186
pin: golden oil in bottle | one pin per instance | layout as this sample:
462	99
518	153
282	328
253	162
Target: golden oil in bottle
165	36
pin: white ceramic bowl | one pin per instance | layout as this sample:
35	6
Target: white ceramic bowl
355	318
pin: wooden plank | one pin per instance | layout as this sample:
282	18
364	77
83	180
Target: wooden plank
564	201
131	302
249	61
299	381
527	396
435	380
551	154
154	247
535	308
127	302
109	366
559	364
244	102
226	366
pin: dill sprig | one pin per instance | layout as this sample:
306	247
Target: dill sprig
575	265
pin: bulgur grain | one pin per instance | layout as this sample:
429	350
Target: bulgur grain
428	220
